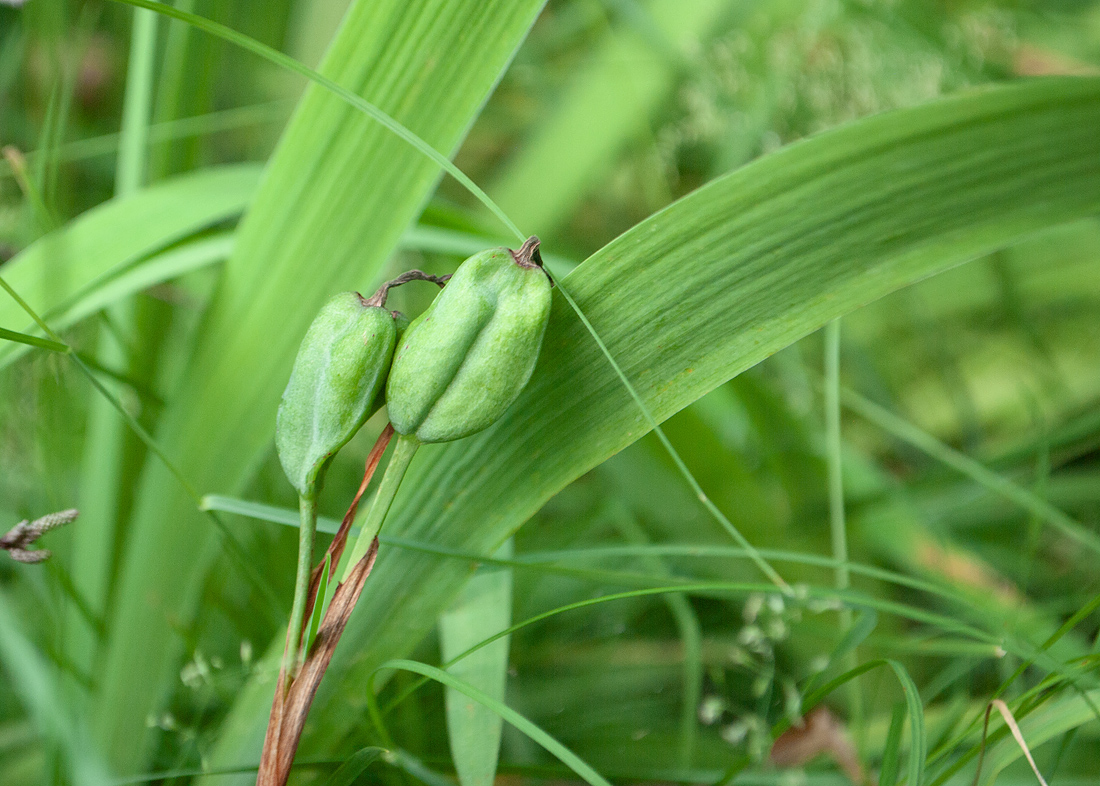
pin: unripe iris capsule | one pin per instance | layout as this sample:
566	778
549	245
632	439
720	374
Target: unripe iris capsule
334	387
463	362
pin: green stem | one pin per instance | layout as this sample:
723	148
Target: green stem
833	453
403	453
137	104
837	522
307	511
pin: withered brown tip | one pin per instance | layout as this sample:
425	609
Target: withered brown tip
528	254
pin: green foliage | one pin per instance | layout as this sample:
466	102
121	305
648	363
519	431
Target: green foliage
36	685
898	522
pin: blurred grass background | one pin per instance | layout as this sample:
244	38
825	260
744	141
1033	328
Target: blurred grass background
609	112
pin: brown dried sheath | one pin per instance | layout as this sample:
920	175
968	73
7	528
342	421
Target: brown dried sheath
288	715
336	547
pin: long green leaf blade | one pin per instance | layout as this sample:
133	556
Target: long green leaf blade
483	609
336	197
918	746
717	282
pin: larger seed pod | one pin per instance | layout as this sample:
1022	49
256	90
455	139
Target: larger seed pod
334	386
464	361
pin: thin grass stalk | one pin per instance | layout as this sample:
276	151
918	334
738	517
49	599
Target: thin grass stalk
838	528
137	104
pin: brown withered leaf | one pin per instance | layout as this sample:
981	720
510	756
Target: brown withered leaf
821	732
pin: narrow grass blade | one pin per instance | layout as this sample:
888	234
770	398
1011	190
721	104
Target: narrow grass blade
855	635
137	104
891	756
838	527
32	341
355	766
863	626
918	745
262	512
554	747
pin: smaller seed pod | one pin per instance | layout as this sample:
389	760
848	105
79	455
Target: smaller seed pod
463	362
401	323
334	386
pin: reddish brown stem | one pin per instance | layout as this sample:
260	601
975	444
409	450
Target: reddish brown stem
336	548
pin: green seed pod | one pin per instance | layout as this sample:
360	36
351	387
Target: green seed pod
463	362
401	322
340	370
